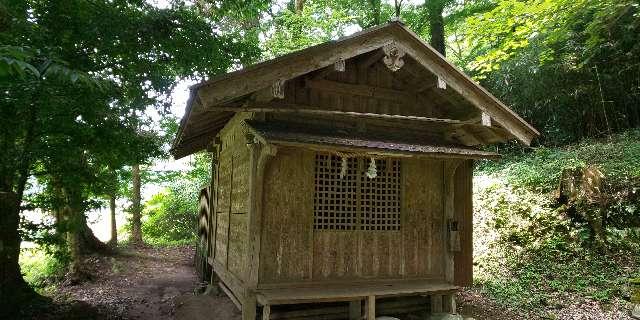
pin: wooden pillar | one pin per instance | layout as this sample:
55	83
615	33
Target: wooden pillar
355	310
261	153
266	312
436	303
249	305
449	215
450	303
371	307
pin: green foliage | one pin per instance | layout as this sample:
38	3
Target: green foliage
316	23
566	66
617	156
39	268
171	215
532	252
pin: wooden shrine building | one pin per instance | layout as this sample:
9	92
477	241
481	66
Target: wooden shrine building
342	176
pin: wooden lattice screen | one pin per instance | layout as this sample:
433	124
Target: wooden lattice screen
351	200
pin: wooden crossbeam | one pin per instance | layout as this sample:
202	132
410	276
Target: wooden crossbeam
360	90
308	109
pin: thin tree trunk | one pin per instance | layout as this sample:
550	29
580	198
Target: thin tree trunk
114	227
299	6
136	208
436	25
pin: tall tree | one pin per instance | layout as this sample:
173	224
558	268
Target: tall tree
136	207
141	59
435	9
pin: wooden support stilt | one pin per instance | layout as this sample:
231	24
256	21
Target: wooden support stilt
266	312
355	310
450	303
436	303
249	308
371	307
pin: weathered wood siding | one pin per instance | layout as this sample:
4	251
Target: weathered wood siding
232	208
327	97
292	252
287	217
464	215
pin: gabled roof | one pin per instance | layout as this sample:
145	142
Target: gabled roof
202	120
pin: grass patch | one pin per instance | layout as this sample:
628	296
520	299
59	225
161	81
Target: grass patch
532	253
618	156
40	269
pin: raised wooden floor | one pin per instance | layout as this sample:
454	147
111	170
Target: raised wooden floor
350	292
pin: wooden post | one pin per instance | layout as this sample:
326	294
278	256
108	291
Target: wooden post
355	310
249	306
266	312
371	308
449	215
436	303
450	303
260	155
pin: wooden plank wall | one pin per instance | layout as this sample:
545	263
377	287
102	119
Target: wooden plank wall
463	275
376	75
424	218
292	252
232	204
287	217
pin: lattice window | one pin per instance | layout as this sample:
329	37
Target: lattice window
348	199
335	197
380	197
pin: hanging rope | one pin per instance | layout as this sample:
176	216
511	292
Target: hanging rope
372	172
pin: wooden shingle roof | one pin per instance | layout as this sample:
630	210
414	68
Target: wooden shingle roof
210	105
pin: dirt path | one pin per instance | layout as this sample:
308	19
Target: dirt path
159	283
140	284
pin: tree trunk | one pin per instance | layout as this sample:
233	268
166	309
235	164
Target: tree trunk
13	288
114	227
375	11
436	25
136	208
299	6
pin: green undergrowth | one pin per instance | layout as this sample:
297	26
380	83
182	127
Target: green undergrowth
40	270
532	252
617	156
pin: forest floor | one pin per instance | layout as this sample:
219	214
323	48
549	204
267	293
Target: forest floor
158	283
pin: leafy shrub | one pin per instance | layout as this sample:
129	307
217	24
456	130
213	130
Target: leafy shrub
170	216
39	268
532	252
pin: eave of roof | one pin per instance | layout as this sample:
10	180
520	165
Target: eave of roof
231	86
353	142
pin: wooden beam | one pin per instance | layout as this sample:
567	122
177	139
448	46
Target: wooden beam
371	308
360	90
461	83
371	60
465	137
236	84
307	109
